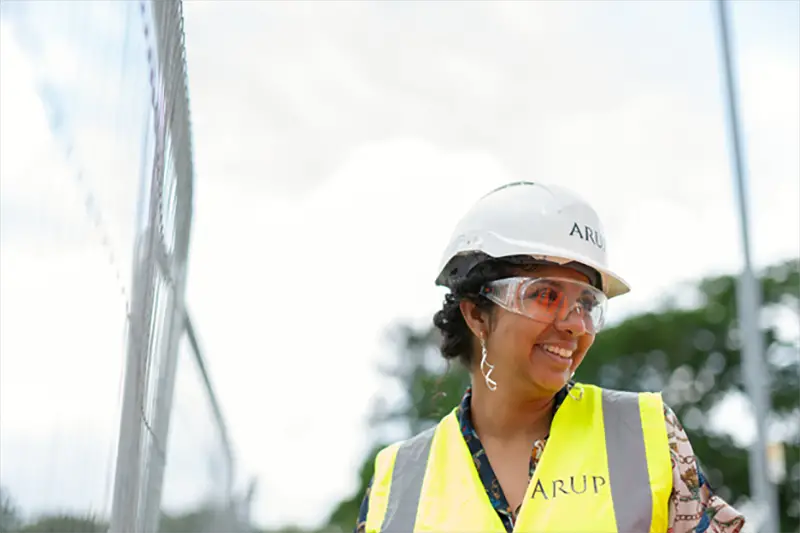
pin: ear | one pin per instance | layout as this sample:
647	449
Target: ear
477	320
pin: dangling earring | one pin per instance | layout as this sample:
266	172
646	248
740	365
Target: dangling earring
490	383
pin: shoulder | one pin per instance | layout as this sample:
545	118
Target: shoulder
671	419
615	396
401	453
684	462
694	506
404	450
363	510
609	392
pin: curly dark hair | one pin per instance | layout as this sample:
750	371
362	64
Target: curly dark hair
457	339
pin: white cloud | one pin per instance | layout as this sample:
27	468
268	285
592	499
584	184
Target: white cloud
61	315
307	297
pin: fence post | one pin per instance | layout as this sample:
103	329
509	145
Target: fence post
161	253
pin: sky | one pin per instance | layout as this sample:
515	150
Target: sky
335	146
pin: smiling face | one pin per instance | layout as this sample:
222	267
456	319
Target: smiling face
534	356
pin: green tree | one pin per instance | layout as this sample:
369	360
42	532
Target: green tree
345	514
9	514
64	523
691	352
196	521
431	387
208	517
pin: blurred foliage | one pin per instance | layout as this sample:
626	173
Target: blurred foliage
690	352
205	518
341	519
12	521
64	523
432	387
9	514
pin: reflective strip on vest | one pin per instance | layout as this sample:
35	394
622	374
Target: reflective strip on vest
627	467
627	460
406	488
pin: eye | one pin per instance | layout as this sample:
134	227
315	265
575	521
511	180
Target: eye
545	295
588	301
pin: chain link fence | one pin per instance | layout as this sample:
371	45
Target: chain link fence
104	390
199	483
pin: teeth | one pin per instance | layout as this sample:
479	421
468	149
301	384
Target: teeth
556	350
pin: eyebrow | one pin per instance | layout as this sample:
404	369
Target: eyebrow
552	282
559	285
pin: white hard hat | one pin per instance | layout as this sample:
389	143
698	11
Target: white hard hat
543	222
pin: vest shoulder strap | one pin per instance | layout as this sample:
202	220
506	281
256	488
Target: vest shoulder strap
405	463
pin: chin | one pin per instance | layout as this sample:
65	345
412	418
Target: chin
550	383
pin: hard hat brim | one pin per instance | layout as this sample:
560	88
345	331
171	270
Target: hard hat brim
461	261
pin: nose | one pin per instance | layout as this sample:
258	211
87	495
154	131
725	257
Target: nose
571	321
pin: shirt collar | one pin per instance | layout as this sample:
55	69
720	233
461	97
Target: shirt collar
464	409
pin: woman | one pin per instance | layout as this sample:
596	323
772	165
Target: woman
528	449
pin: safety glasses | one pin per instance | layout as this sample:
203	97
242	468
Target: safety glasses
549	299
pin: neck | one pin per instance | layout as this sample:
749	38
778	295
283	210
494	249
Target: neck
505	414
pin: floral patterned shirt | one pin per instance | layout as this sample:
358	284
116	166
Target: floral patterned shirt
693	506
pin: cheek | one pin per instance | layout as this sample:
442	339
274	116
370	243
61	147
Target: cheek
519	334
584	343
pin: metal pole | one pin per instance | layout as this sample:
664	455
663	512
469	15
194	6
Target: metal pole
199	358
748	299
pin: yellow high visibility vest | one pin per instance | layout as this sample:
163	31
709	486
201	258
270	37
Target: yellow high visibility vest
606	468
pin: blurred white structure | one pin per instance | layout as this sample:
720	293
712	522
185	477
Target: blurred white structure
748	301
97	182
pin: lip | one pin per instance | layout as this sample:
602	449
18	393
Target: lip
571	346
559	361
